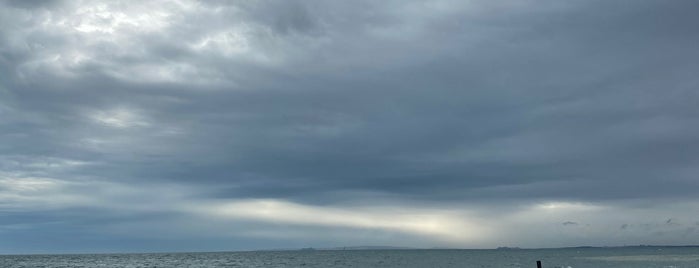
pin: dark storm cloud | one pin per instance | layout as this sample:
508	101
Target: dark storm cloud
543	93
322	102
31	4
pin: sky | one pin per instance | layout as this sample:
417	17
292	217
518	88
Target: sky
133	126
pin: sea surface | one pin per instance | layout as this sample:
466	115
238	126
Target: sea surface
631	257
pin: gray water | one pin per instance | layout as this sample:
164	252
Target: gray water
636	257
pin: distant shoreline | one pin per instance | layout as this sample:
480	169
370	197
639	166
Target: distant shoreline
349	248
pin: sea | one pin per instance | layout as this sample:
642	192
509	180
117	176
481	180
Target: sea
616	257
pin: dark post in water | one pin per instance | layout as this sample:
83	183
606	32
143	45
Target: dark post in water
538	264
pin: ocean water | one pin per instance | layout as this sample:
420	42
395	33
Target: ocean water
636	257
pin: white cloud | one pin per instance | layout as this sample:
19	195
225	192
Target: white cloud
120	118
35	193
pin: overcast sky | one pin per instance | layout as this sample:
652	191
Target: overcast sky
236	125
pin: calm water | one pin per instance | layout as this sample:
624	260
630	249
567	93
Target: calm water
575	258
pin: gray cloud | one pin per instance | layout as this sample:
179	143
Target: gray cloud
328	103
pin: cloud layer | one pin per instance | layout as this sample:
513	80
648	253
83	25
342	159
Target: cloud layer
275	124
